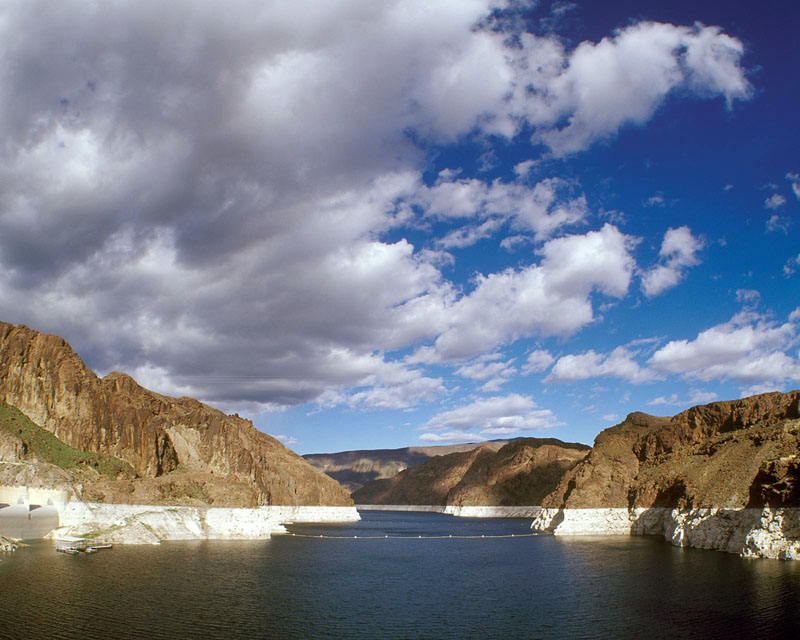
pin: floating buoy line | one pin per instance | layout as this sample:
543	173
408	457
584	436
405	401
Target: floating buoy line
388	537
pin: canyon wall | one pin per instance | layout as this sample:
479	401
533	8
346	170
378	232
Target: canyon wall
158	436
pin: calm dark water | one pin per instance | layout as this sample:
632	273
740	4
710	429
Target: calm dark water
291	587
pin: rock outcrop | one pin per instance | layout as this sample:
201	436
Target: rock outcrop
725	475
162	438
521	472
718	455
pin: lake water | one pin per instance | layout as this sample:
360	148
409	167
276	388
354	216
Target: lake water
293	587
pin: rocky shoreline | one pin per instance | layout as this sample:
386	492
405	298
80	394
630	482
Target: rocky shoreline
148	524
7	545
457	510
750	533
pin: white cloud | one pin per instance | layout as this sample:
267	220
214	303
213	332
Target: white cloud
621	80
794	179
748	348
552	298
215	229
286	440
664	400
778	223
698	396
655	201
611	417
759	388
678	252
748	296
489	368
369	382
791	266
617	364
538	362
451	437
485	367
774	202
498	415
542	210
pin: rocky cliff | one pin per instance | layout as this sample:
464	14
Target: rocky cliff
720	476
521	472
173	445
724	454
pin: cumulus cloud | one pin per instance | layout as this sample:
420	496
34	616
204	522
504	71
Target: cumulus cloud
748	348
538	361
488	367
761	387
550	298
188	193
494	416
600	87
543	209
774	202
664	400
619	363
678	252
698	396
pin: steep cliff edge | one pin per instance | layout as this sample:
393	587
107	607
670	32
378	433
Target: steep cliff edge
706	457
722	476
521	472
170	443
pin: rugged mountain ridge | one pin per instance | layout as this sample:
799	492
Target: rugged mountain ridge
354	469
730	454
160	437
521	472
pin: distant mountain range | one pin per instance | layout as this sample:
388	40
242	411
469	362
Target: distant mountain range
521	472
354	469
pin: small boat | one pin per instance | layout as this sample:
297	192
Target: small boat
69	550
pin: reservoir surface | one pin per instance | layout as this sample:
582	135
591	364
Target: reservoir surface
398	587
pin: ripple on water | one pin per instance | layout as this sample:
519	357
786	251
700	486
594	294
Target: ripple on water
295	588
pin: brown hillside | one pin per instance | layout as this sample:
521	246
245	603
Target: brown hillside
157	435
354	469
521	472
724	454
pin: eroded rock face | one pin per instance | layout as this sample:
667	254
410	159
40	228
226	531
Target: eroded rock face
721	455
43	377
520	473
777	484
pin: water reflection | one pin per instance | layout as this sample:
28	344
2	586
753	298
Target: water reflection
288	587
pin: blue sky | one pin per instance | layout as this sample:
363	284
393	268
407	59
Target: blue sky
385	224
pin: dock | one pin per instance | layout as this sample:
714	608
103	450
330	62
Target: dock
73	546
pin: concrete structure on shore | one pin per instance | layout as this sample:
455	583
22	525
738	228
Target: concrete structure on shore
27	513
